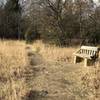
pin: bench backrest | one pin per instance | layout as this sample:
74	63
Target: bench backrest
89	50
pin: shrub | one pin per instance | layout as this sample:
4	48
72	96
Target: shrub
30	36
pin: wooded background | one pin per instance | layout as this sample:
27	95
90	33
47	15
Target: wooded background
61	22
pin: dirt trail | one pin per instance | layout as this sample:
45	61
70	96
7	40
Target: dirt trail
52	80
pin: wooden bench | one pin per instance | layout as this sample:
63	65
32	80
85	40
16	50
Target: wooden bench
87	53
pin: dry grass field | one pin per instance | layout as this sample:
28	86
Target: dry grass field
45	72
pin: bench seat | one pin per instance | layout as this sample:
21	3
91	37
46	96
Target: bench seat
84	56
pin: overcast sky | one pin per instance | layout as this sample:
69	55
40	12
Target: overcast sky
96	0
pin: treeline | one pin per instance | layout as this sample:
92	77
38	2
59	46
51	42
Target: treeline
9	19
63	22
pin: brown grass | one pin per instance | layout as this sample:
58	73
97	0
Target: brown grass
55	74
12	62
51	52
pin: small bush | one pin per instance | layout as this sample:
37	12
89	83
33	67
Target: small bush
30	36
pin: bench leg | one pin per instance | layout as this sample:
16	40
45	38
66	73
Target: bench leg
85	62
75	59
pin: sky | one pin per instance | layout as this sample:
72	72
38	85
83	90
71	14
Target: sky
3	1
96	0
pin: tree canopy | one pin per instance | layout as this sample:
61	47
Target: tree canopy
64	22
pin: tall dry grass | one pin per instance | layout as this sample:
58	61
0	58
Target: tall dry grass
13	60
52	52
12	63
